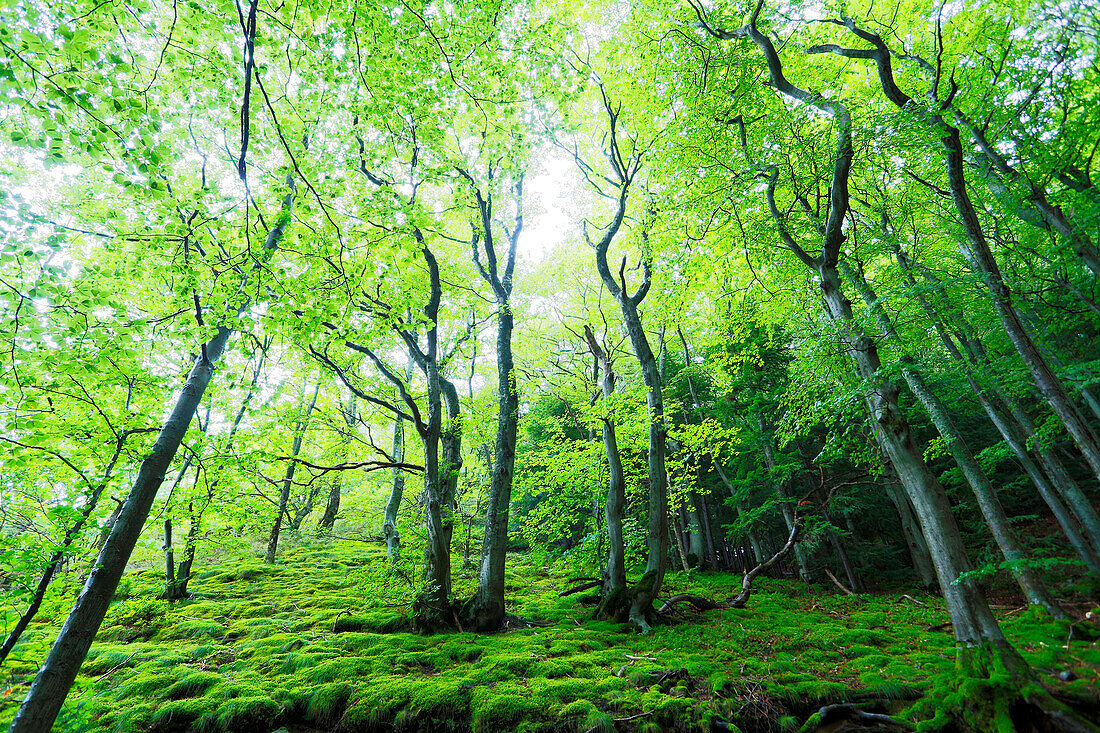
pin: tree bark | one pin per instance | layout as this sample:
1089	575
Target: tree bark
332	507
1034	589
914	540
55	677
288	477
615	571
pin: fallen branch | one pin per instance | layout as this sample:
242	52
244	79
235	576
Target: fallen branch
632	717
908	597
581	588
837	583
346	610
742	598
847	711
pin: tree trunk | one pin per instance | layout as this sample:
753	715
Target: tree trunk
487	611
43	702
914	540
389	519
332	508
288	478
451	444
999	408
615	571
785	505
494	546
1034	589
972	620
58	557
841	554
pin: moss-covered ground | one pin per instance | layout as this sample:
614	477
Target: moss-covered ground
313	644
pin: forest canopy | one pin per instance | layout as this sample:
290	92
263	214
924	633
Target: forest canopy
471	322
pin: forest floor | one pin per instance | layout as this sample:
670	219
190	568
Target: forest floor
309	644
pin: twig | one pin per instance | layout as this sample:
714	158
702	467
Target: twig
838	583
346	610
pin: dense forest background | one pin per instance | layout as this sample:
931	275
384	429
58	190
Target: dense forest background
465	306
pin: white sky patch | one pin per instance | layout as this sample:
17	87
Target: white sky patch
552	214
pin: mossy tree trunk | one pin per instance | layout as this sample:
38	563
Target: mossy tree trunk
1033	587
497	269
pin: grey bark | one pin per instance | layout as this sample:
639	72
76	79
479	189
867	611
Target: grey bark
389	518
43	702
784	506
488	609
1033	587
914	540
615	571
300	426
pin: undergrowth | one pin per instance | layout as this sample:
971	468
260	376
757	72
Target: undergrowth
316	643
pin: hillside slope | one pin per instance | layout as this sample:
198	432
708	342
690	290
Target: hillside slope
315	643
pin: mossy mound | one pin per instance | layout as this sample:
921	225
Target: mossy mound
319	643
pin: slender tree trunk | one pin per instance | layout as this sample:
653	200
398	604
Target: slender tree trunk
389	519
972	619
332	508
288	478
305	509
488	603
708	558
451	469
1034	589
438	550
58	557
785	506
43	702
494	546
842	555
999	408
914	540
615	572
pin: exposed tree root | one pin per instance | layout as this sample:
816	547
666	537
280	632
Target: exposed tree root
589	585
701	603
832	714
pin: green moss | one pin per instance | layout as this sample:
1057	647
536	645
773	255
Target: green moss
248	714
327	703
193	684
178	715
142	684
501	709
